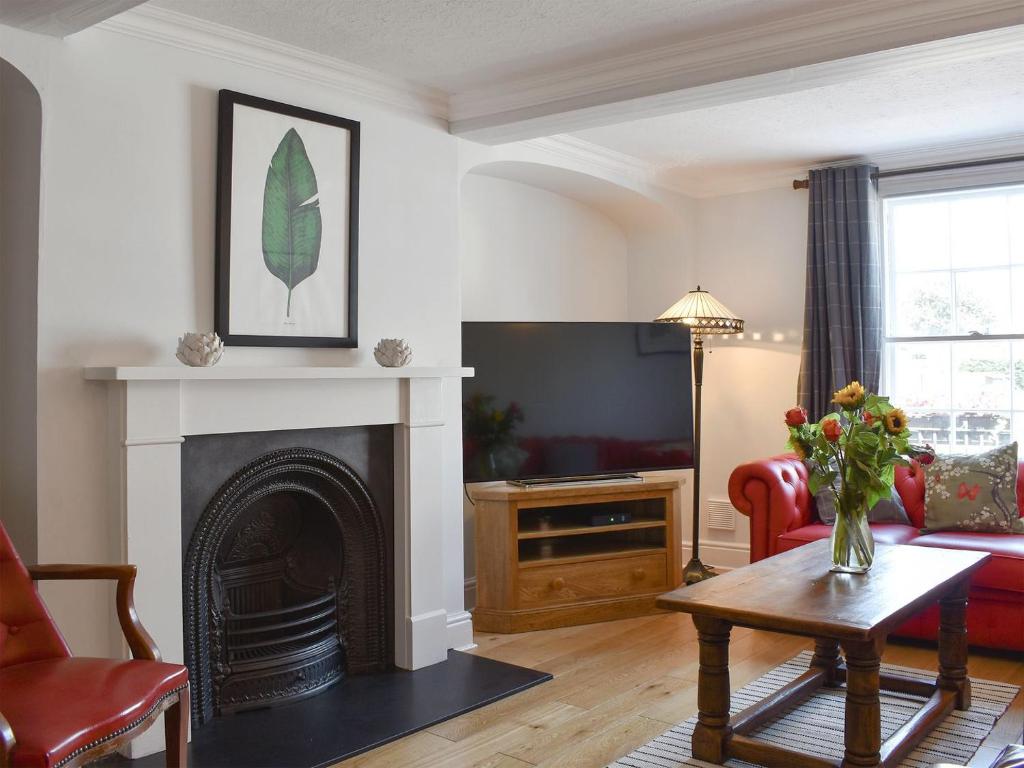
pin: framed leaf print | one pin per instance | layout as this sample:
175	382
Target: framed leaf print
287	225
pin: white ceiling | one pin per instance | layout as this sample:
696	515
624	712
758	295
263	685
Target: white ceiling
880	114
60	17
954	90
461	44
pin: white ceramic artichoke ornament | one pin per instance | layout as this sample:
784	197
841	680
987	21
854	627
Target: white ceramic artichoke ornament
200	350
392	353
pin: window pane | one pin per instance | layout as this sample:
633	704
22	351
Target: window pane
981	430
978	231
921	377
920	234
933	428
1018	374
923	304
981	376
1017	295
983	301
1015	214
1018	426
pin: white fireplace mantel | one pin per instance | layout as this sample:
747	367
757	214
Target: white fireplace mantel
154	408
264	373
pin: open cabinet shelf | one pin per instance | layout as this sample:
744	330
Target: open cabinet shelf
557	556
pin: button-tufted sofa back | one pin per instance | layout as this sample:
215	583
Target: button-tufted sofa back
27	633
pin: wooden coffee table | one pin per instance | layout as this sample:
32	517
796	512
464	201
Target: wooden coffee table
795	593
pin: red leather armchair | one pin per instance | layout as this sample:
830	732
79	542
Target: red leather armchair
773	493
59	710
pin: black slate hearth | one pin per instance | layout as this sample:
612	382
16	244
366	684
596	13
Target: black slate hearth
356	715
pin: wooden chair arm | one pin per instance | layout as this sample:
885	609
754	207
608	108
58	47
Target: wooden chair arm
6	742
139	640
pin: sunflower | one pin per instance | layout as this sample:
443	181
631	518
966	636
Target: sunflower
895	421
850	396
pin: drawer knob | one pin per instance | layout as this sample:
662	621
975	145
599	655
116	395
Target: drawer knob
558	583
639	573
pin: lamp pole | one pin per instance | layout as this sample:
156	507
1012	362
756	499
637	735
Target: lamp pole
704	315
695	570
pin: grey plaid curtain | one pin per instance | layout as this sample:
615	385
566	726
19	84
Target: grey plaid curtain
843	306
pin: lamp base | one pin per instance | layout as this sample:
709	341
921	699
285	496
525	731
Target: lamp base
696	571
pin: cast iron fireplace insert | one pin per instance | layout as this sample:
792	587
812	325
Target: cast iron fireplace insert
285	585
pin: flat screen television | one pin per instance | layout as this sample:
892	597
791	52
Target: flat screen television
553	400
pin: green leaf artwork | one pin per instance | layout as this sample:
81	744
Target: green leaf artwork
291	215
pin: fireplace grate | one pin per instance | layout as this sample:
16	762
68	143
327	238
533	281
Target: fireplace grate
280	638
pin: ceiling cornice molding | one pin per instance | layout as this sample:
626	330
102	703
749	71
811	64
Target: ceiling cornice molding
719	183
188	33
609	161
778	57
963	151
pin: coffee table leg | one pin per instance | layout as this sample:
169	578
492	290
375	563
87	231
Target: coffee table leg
953	645
863	711
826	657
712	732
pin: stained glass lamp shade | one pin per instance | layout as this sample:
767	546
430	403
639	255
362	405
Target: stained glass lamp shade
703	313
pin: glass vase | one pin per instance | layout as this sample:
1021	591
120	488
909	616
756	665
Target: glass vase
852	546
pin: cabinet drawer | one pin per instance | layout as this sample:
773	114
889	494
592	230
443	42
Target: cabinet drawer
560	584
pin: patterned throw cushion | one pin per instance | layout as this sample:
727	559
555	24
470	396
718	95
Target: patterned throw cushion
973	493
889	510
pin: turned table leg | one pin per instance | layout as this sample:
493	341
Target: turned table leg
953	645
826	657
712	732
863	711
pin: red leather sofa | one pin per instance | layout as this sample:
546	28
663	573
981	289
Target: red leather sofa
773	493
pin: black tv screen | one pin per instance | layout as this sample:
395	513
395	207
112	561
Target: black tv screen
566	399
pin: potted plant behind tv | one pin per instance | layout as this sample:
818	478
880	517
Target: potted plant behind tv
854	453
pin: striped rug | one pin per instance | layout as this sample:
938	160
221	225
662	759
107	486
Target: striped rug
815	727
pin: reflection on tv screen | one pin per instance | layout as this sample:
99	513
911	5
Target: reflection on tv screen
561	399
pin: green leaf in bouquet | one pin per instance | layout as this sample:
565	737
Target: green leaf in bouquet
887	474
818	480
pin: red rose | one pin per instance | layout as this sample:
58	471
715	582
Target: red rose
832	429
868	418
796	416
927	457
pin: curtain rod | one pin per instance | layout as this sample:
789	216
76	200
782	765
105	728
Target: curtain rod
806	183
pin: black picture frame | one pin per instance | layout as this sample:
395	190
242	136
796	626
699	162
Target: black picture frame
227	100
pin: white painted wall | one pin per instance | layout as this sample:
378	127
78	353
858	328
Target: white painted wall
752	256
126	262
20	140
530	254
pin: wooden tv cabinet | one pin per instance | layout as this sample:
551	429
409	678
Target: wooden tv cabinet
541	564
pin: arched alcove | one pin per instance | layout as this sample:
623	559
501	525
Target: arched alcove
533	236
20	154
657	229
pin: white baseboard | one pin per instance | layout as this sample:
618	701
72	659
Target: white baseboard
460	631
723	554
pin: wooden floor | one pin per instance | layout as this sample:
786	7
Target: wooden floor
618	685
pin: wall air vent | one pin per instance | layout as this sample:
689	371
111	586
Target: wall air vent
720	514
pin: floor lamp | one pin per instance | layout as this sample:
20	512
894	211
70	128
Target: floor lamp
704	315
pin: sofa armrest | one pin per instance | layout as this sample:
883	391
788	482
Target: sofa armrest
139	640
773	493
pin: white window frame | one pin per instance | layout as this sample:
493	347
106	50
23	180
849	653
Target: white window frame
963	179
